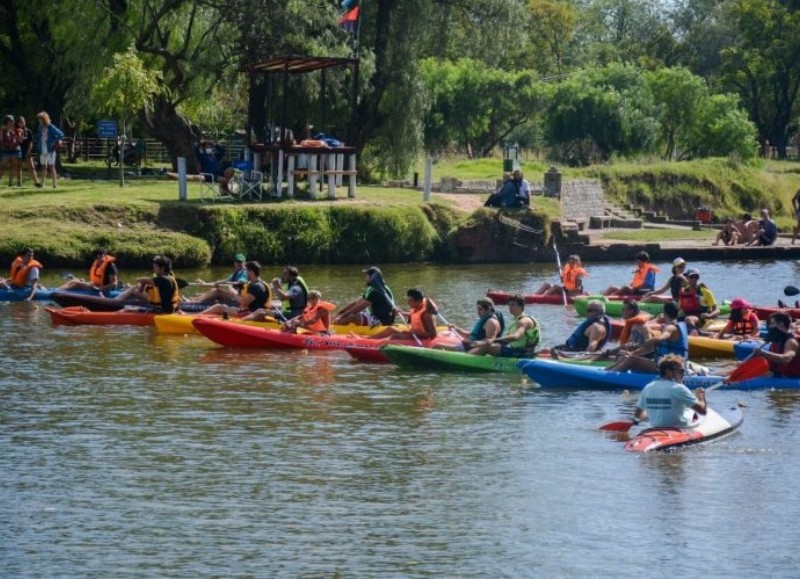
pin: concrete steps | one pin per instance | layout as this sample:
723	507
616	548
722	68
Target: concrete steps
620	217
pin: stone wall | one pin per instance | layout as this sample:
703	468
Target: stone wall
581	199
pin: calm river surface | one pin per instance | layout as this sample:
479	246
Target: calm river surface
129	454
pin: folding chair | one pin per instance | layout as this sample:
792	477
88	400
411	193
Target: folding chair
253	186
210	190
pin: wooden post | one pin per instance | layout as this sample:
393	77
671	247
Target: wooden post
290	177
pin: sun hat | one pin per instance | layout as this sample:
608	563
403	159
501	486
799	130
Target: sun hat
239	257
740	304
678	261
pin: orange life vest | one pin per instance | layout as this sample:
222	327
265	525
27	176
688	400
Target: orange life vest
14	266
746	326
625	335
644	276
97	273
415	318
570	275
322	324
20	271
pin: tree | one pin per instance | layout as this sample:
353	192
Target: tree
678	96
124	89
763	66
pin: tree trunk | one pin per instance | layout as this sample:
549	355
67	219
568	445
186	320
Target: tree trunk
171	129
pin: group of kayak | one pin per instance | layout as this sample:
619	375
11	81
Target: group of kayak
239	311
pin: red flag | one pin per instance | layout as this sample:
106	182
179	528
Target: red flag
350	18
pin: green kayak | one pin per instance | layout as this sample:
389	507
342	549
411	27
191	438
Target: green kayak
411	356
614	307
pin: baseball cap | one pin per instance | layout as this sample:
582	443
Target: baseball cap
691	272
678	261
740	303
239	257
372	270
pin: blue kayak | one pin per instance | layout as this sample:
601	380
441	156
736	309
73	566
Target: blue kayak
743	349
18	295
552	374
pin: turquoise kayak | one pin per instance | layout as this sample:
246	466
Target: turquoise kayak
614	307
553	374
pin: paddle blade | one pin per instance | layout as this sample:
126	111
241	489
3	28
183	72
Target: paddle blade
182	283
752	368
790	291
621	426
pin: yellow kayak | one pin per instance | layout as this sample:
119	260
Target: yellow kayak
703	347
182	324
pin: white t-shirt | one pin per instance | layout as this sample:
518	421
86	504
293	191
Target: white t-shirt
666	403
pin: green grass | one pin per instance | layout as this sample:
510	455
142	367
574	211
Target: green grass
656	235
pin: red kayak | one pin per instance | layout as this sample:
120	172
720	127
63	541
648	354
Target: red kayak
80	316
241	336
763	312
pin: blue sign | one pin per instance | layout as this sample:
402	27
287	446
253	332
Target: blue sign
107	129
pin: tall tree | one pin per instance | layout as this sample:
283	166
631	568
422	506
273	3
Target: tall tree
763	66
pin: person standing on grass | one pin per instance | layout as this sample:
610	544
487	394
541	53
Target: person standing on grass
48	140
27	150
10	151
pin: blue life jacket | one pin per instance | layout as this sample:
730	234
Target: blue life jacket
478	333
681	348
578	341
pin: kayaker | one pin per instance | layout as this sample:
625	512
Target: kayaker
521	338
635	332
591	334
103	274
315	317
24	273
254	297
643	281
374	307
292	290
160	292
571	279
225	290
664	401
783	353
671	338
674	284
697	302
421	318
490	324
743	324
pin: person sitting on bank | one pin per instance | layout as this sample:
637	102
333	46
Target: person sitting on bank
643	281
696	302
665	401
24	273
490	324
729	234
225	290
591	334
520	340
315	317
211	164
159	292
767	230
782	355
255	296
374	307
743	323
103	274
496	198
421	318
670	338
748	229
571	278
674	284
292	290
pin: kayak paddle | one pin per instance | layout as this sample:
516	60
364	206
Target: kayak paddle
790	291
560	275
751	368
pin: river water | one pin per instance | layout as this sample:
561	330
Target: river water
128	454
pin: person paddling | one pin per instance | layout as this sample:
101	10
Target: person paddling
315	317
24	274
489	325
160	292
665	401
743	323
103	274
571	279
591	334
255	296
225	290
374	307
643	281
521	339
421	318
